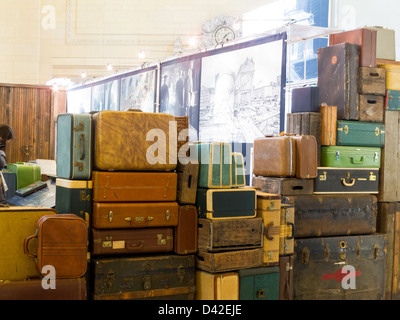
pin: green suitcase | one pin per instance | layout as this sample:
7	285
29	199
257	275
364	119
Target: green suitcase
259	283
226	203
392	100
360	134
350	157
238	171
215	164
27	173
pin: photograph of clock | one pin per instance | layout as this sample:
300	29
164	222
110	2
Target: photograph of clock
224	34
220	30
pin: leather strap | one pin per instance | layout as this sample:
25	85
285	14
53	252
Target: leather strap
26	243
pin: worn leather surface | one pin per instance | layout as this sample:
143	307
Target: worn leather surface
121	141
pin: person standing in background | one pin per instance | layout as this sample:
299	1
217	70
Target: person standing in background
6	135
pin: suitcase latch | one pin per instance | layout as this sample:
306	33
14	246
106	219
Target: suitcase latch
147	282
110	279
167	215
288	267
79	165
110	216
160	240
260	293
376	156
346	129
372	177
337	155
108	242
322	177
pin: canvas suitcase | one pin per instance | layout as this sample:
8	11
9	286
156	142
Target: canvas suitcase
338	74
215	170
16	224
226	203
230	234
126	215
305	99
392	101
185	233
371	108
142	277
221	286
361	134
274	156
74	196
372	81
389	178
365	38
126	141
333	215
215	262
350	157
328	125
74	146
269	209
238	171
385	43
286	234
284	186
132	241
306	123
340	268
32	289
392	76
306	156
134	186
62	242
286	277
347	180
259	283
188	175
27	173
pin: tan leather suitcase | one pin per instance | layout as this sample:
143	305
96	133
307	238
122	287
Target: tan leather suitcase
134	186
328	125
61	243
275	156
127	140
220	286
185	233
132	241
32	289
306	157
134	215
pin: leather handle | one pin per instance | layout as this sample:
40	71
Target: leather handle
346	184
135	245
267	230
26	243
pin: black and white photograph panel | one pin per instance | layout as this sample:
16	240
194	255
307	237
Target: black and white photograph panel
179	91
138	90
241	93
111	95
79	100
97	97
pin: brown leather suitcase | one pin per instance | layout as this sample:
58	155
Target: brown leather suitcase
275	156
365	38
62	243
132	241
286	277
306	157
134	215
32	289
134	186
328	125
127	140
185	233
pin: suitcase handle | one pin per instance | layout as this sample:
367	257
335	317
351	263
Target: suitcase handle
346	184
135	245
356	161
292	236
26	243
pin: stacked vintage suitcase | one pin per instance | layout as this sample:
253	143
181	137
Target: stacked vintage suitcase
131	206
340	249
230	235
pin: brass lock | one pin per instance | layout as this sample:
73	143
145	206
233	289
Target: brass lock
323	176
147	282
372	177
108	242
260	293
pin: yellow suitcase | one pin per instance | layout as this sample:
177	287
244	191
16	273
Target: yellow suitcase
217	286
17	224
286	235
392	76
269	209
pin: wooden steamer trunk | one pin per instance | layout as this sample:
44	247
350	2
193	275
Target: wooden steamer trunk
143	277
322	268
284	186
